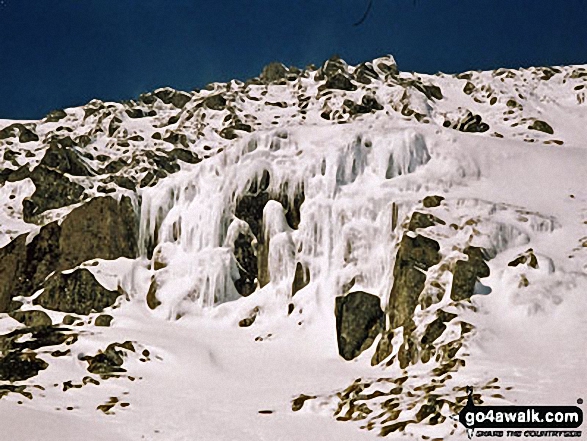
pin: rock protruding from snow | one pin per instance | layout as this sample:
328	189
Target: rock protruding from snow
359	319
76	292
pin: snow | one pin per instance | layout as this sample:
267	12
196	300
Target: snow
207	378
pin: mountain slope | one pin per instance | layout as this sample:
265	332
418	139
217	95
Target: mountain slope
232	240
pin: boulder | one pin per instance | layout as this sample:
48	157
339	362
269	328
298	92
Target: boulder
432	201
55	115
180	99
77	292
340	81
32	318
359	319
541	126
103	320
215	102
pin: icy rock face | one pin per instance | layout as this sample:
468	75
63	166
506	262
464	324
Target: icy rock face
361	205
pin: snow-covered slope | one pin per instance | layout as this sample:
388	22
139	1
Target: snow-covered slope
261	203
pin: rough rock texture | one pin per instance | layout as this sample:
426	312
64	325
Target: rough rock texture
32	318
102	228
423	220
414	257
77	292
432	201
24	267
53	189
359	319
467	273
18	360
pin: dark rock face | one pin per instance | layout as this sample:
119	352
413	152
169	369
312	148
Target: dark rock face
55	115
102	228
467	273
32	318
77	292
184	155
541	126
273	73
470	123
24	267
61	156
249	207
301	278
527	257
215	102
359	319
423	220
368	104
364	73
340	81
109	362
437	327
414	257
18	360
246	257
25	132
53	190
12	263
432	201
16	366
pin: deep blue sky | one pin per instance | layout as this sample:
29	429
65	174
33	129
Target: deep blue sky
61	53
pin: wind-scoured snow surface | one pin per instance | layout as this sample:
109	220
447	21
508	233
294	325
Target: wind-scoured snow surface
506	189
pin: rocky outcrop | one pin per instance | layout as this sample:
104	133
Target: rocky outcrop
414	257
18	360
103	228
53	189
109	362
467	273
24	267
359	319
77	292
32	318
